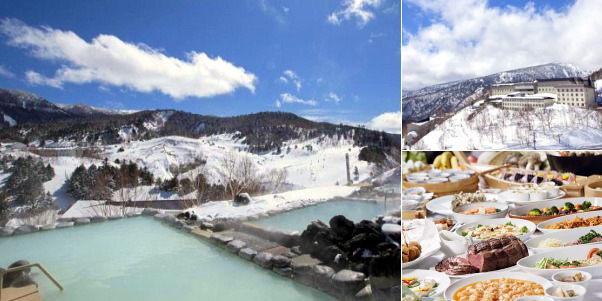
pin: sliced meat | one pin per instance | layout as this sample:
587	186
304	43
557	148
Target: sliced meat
596	239
484	261
462	270
577	242
452	264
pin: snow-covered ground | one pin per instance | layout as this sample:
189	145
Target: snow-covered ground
555	127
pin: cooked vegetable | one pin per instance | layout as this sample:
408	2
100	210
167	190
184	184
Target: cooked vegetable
414	284
524	229
592	252
510	224
535	212
589	236
554	210
464	233
586	205
568	206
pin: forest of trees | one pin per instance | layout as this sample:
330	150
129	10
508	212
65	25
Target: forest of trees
25	185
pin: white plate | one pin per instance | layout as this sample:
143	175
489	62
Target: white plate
565	236
502	197
420	258
574	253
442	205
442	278
585	215
449	292
519	223
508	269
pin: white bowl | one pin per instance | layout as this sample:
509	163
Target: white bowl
573	253
437	180
453	244
586	276
538	195
441	278
553	191
469	218
534	298
579	290
584	215
519	223
517	195
414	191
566	236
449	292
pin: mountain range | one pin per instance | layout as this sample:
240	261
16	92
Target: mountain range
452	97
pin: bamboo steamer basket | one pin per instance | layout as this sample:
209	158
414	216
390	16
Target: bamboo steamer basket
572	190
592	183
447	188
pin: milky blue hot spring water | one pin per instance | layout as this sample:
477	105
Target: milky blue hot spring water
298	219
142	259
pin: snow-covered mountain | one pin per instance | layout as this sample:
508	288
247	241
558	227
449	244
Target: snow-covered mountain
452	97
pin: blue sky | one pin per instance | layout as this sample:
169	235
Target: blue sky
336	61
446	40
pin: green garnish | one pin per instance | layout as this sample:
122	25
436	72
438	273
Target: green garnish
464	233
599	253
415	284
479	226
497	210
510	224
587	238
524	229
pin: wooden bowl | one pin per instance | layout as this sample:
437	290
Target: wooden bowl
442	189
590	189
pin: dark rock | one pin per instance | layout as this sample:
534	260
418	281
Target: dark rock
97	219
322	275
367	226
283	271
281	261
296	250
189	228
386	264
301	268
242	199
218	227
308	235
6	231
235	245
20	263
367	241
333	254
348	280
82	221
386	246
342	226
23	280
25	229
115	217
305	279
207	226
221	238
365	293
290	254
264	260
247	253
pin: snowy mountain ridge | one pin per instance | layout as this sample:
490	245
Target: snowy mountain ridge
454	96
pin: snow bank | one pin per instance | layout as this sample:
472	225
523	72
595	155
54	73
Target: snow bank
271	203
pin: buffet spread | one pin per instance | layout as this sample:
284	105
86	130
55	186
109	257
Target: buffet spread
520	237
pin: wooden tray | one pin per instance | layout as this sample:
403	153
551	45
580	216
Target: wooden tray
442	189
572	190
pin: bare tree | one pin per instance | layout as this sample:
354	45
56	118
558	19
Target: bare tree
240	173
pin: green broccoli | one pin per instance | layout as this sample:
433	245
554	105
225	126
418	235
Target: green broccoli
585	206
554	210
464	233
568	206
510	224
535	212
524	229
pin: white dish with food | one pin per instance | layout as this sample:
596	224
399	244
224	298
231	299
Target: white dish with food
566	291
442	205
424	232
559	203
559	239
425	278
570	217
577	256
420	191
538	283
574	276
479	211
497	227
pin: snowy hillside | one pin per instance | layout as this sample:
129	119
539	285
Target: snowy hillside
451	97
308	164
556	127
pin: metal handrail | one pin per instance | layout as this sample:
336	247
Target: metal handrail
27	266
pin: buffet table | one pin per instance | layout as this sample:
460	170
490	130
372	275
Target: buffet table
594	291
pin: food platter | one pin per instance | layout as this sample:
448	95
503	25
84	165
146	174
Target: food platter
523	211
442	205
442	279
574	253
423	256
565	236
500	221
508	269
584	215
449	292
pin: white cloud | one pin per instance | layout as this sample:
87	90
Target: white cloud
361	10
5	73
469	39
290	75
109	61
289	98
333	97
389	122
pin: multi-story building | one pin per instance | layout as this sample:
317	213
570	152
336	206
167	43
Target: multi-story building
522	101
575	91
